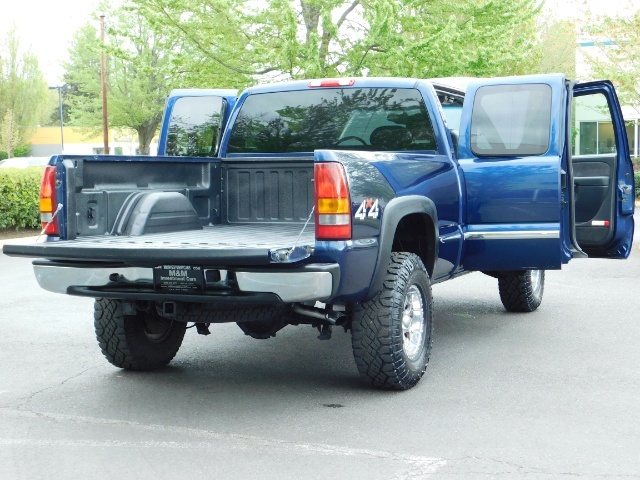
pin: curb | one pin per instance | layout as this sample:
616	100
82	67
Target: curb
18	241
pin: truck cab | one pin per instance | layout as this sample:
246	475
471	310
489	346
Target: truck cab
580	185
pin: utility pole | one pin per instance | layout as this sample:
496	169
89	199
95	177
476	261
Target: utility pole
60	88
103	77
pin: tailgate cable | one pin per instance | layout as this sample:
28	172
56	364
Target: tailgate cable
302	231
58	208
286	255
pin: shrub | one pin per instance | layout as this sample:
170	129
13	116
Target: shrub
21	151
637	178
19	197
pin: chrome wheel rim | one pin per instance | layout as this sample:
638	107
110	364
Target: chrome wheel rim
413	328
536	282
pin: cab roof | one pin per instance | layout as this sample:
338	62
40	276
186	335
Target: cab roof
367	82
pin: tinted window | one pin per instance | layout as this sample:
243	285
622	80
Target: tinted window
451	108
375	119
194	127
511	120
452	116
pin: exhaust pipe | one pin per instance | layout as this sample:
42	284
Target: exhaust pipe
330	316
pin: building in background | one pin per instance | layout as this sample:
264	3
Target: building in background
594	119
77	141
580	13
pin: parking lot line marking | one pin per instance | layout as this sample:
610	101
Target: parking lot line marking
420	466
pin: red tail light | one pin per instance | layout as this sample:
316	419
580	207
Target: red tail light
48	203
333	205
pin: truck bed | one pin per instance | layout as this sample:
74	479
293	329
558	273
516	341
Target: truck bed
219	245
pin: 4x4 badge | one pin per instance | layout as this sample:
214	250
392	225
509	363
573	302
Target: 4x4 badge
368	209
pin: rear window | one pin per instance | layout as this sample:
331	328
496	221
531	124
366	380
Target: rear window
194	127
511	120
375	119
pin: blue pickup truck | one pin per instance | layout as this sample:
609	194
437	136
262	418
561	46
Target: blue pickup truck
336	202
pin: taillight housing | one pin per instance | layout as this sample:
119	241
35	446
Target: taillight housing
48	203
333	205
332	82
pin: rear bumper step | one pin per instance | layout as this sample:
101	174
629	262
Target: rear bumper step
315	282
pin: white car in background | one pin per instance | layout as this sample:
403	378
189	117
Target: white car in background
24	162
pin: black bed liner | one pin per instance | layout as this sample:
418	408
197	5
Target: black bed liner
216	245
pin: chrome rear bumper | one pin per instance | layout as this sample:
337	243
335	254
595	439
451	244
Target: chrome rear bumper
297	286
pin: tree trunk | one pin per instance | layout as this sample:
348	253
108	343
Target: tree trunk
145	135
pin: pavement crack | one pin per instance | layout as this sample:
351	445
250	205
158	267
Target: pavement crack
23	405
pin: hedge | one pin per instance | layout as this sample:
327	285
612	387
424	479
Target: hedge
22	151
19	197
637	177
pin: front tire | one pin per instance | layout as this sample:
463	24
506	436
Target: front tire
391	333
521	291
144	341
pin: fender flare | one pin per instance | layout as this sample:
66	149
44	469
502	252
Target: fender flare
393	213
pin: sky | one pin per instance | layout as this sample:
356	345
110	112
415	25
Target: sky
47	27
575	9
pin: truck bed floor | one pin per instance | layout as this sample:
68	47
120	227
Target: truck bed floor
228	244
252	235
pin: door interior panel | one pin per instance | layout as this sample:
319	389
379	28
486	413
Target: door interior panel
600	168
594	183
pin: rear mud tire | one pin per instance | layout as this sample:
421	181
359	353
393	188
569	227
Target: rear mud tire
145	341
392	332
521	291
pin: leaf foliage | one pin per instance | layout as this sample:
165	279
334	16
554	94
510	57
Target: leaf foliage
617	55
23	93
139	75
19	196
243	41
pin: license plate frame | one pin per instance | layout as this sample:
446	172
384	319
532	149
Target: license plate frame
178	278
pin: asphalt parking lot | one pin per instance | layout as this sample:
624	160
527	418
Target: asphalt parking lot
552	394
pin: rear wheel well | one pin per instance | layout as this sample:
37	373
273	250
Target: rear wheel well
415	233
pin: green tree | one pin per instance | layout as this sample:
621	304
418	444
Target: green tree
558	44
617	56
436	38
211	39
319	38
23	93
82	76
9	134
139	76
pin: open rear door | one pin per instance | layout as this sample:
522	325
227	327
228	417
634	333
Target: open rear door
510	150
194	120
603	194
